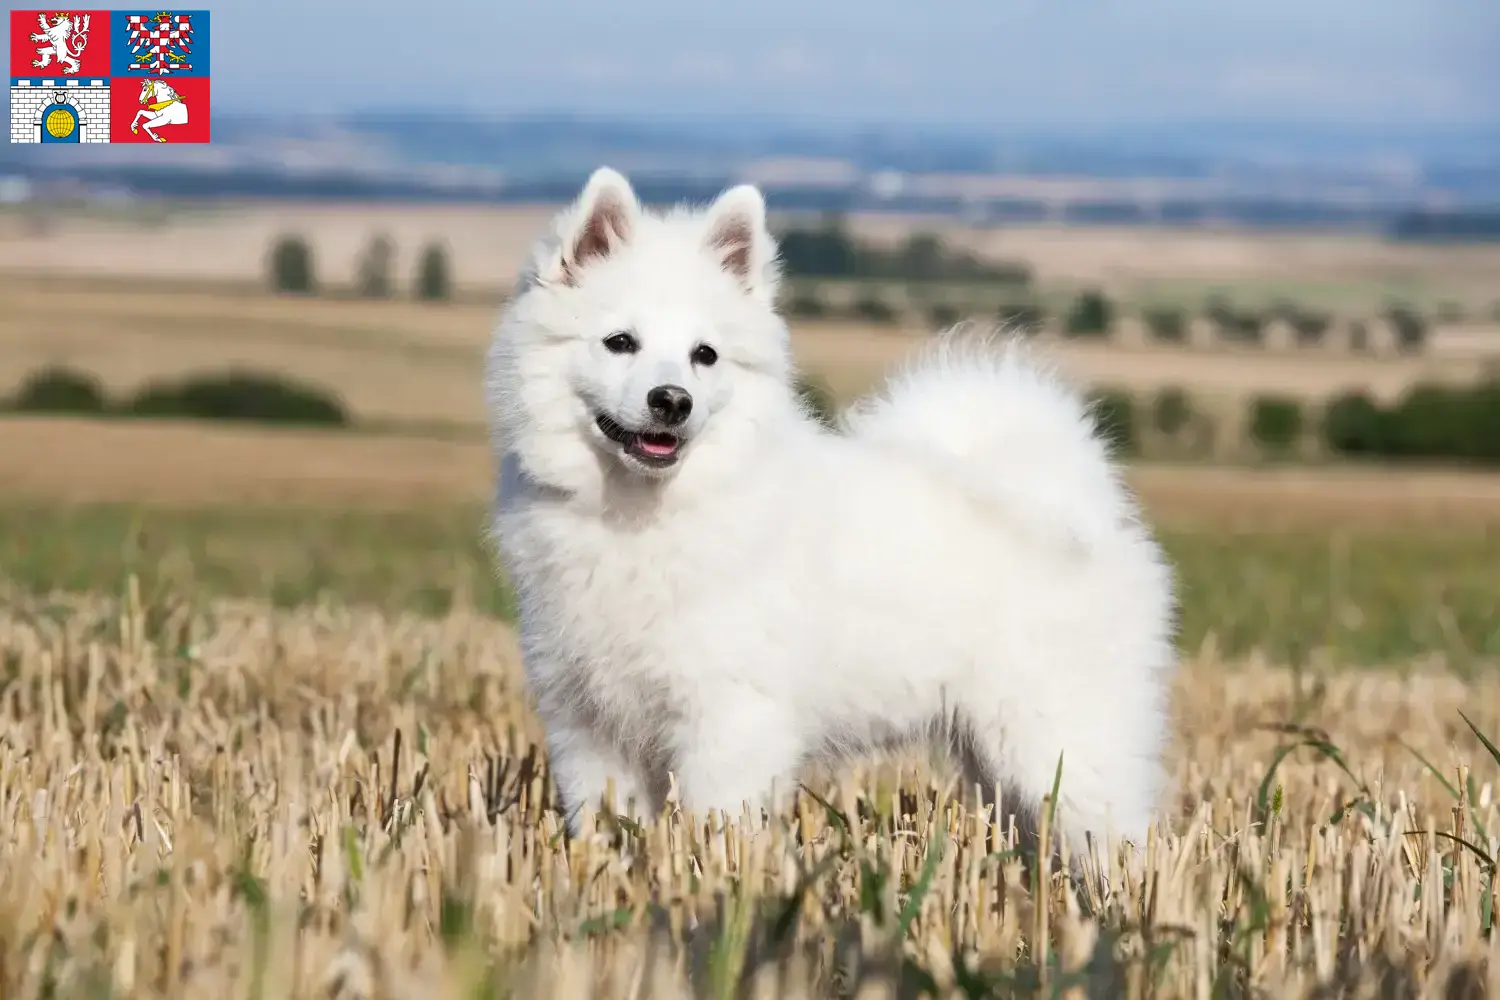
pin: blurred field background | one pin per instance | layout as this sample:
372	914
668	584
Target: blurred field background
262	729
353	457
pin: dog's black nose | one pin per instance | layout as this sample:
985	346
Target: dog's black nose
670	404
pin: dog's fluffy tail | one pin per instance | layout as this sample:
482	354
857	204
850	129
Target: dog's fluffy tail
980	411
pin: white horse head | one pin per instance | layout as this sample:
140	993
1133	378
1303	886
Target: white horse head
156	90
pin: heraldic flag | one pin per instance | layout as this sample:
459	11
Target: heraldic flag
110	76
59	76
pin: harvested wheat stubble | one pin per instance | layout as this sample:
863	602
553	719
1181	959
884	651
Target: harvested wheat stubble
218	799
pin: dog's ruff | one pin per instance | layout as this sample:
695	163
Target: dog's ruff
962	564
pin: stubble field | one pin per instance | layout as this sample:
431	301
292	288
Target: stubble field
221	798
284	750
263	733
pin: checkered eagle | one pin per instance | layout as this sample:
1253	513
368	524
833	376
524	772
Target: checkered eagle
160	43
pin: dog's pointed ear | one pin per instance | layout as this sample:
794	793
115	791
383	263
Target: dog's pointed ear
736	234
597	224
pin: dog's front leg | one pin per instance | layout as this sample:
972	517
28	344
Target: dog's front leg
583	764
732	750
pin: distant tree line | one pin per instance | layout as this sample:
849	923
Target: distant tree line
291	269
236	395
1447	226
1429	422
830	251
239	395
1093	314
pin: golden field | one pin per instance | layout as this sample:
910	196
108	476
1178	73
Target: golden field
216	798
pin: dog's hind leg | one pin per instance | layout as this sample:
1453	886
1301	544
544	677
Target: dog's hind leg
1105	791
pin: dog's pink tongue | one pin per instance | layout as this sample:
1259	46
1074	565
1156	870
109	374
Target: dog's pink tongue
658	448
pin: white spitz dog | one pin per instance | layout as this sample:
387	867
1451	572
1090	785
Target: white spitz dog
712	585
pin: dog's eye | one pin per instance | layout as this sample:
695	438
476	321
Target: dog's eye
704	355
621	343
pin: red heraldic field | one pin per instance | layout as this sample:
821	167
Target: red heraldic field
59	45
136	102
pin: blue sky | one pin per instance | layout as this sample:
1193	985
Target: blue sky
985	62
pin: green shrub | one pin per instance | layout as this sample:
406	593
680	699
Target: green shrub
1244	326
814	392
1433	421
59	389
1485	416
373	280
1172	411
942	315
238	395
1114	416
807	305
1308	326
1011	272
292	266
872	308
1410	329
1429	421
1275	423
1167	325
1091	315
1353	424
434	282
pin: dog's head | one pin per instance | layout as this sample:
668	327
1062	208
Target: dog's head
640	343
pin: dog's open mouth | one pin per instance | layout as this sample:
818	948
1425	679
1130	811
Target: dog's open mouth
657	449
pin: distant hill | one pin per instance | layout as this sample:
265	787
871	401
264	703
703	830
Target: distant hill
1245	174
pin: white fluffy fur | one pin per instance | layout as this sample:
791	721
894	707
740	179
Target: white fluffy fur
962	563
